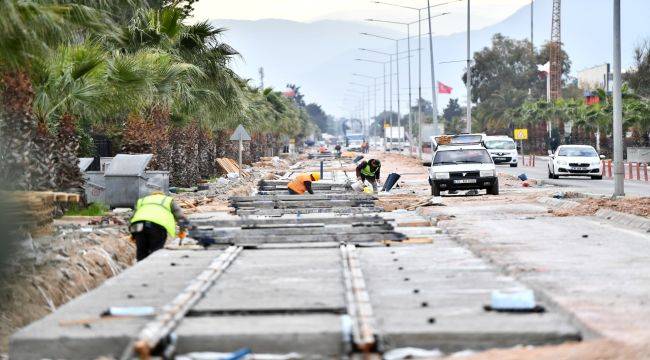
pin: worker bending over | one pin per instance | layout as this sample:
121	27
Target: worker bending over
154	219
369	171
302	183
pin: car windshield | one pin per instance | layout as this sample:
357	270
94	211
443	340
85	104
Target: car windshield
577	152
500	144
470	156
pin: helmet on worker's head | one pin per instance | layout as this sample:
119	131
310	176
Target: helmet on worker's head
315	176
157	192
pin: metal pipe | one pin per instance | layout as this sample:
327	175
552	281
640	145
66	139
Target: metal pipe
619	171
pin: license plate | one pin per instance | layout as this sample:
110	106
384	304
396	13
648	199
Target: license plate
465	181
500	158
577	169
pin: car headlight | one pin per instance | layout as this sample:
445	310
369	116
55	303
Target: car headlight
442	175
561	162
486	173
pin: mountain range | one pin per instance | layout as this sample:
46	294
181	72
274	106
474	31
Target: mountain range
320	56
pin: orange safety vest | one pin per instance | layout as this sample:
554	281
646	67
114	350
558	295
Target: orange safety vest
298	184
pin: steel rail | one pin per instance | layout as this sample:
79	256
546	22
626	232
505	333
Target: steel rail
364	333
156	331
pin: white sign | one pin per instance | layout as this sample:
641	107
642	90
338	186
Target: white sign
240	134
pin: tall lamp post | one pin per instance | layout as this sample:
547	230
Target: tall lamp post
399	113
374	79
434	101
619	169
383	63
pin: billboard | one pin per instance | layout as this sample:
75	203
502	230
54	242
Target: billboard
597	77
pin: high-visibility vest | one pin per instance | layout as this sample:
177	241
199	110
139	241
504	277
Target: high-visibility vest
367	171
158	210
298	184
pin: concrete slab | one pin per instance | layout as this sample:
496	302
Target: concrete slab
432	296
279	280
315	336
153	282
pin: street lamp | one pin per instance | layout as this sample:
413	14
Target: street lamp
367	132
619	169
399	112
374	79
434	100
408	40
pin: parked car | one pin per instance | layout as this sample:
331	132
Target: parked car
462	167
503	149
575	160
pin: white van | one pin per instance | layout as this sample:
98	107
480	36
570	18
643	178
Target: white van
502	149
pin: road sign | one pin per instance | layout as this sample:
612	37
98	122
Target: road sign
240	134
521	134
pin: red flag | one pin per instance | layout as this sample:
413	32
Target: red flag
444	89
289	93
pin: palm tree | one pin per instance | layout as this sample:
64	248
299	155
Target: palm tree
29	29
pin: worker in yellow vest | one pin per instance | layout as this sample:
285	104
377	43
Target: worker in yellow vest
302	183
369	171
154	219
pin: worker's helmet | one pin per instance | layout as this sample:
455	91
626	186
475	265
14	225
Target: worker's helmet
315	176
157	192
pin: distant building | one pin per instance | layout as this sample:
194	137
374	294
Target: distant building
594	78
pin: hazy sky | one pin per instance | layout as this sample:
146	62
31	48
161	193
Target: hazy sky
486	12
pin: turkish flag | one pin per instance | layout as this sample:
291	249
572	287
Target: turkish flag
444	89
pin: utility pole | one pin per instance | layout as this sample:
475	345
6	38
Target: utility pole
619	170
434	99
532	12
408	41
419	83
469	74
399	112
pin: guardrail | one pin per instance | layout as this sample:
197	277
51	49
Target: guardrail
633	170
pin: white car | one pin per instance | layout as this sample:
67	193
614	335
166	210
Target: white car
462	167
502	149
575	160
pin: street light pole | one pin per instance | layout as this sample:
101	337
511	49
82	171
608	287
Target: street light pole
420	83
619	170
469	74
434	99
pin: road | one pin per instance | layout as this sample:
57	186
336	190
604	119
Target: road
604	187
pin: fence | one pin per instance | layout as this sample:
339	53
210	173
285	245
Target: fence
632	170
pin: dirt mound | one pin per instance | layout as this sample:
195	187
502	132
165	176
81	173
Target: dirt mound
52	270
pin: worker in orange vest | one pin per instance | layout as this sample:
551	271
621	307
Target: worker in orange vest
302	183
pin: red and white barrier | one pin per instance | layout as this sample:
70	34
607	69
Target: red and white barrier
632	170
527	160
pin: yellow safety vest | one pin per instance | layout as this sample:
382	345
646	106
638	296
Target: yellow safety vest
158	210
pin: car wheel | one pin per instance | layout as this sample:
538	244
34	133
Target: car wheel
494	189
513	165
435	189
597	177
550	174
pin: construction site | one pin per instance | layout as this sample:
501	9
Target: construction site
344	274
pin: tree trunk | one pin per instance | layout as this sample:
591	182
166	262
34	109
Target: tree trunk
44	159
69	176
17	126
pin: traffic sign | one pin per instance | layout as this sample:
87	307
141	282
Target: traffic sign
240	134
521	134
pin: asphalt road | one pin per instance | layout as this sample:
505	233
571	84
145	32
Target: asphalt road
605	186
